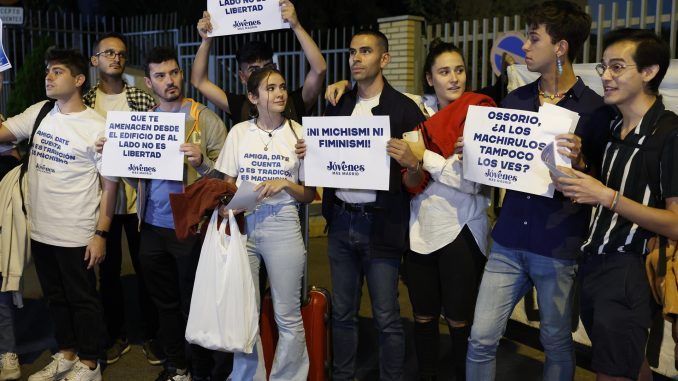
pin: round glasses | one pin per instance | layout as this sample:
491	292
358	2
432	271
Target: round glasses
616	69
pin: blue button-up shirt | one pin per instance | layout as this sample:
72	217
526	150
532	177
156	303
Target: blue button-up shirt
554	227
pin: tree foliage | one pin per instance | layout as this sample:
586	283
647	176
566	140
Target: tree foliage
29	85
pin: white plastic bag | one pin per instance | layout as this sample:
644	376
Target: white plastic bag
224	314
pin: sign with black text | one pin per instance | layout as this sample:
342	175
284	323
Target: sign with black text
347	152
502	148
144	145
244	16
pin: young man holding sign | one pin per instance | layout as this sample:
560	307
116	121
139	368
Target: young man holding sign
637	198
255	55
70	212
169	264
111	93
368	229
536	239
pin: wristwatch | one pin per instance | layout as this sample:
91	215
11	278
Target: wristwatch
101	233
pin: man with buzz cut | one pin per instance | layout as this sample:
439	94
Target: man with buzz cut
253	56
368	230
70	207
112	93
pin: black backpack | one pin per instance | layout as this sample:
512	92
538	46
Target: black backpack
46	108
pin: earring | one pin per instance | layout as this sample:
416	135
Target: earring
559	66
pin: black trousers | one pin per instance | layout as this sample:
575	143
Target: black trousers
70	290
169	272
449	278
110	286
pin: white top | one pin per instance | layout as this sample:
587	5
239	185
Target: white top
63	174
448	203
428	103
106	102
244	156
126	199
360	196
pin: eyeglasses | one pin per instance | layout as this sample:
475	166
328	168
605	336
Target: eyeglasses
270	65
111	54
616	69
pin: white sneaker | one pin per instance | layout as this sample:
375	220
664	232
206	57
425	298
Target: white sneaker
81	372
55	370
9	367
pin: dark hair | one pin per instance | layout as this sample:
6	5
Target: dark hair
159	55
75	61
381	38
255	80
562	20
650	50
117	35
254	51
435	49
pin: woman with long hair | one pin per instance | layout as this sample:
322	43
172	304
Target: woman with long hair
261	151
448	217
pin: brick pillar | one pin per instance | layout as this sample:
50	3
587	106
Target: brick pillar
406	45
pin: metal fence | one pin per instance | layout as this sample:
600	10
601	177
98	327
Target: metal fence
290	58
80	32
475	37
145	32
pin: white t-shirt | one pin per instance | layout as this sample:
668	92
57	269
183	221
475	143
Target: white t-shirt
63	177
360	196
107	102
244	157
126	199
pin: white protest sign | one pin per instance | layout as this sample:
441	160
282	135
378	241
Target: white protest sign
144	145
551	109
244	16
502	148
347	152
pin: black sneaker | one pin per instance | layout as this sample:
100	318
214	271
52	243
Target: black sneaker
119	348
153	353
174	374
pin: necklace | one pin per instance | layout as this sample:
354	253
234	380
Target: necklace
549	96
269	133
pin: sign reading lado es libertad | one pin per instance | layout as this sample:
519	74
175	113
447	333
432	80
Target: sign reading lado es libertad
144	145
502	148
347	152
244	16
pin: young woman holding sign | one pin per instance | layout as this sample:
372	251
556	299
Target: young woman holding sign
448	218
261	150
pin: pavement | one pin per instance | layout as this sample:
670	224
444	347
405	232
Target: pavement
519	357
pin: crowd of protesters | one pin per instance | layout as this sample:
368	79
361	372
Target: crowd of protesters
430	226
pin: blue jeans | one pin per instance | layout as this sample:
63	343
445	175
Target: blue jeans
274	235
7	340
349	254
509	274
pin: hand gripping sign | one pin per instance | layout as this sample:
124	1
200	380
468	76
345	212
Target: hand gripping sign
244	16
347	152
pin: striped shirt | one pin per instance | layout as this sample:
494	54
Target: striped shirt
624	169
